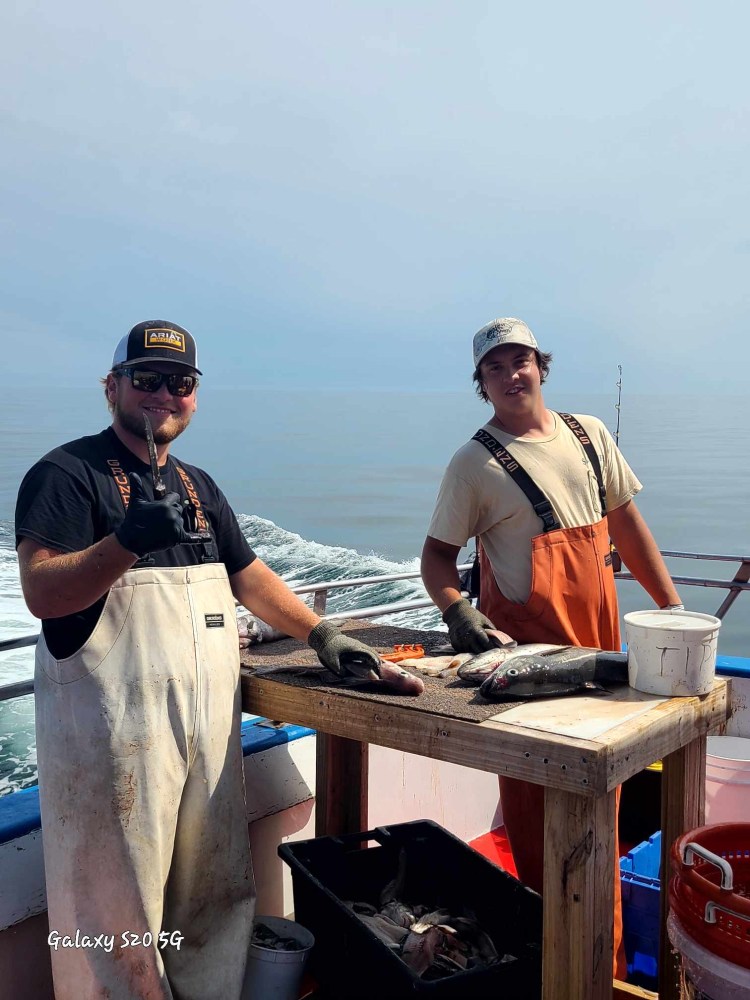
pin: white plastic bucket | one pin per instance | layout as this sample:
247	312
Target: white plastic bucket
709	976
671	652
271	974
727	779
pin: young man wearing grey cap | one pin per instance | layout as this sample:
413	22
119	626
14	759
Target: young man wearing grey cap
542	492
134	576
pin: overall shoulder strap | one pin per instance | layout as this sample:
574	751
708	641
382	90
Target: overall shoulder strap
588	447
198	513
200	523
537	499
121	480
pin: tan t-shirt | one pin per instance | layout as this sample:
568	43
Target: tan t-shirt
478	497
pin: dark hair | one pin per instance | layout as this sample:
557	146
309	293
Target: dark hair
116	373
543	360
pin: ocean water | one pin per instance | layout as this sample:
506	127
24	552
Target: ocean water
341	485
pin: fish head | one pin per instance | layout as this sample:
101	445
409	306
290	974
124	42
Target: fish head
512	676
523	677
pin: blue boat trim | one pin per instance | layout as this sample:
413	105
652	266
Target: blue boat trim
733	666
20	814
258	736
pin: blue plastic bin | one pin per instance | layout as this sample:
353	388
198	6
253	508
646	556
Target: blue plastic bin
640	884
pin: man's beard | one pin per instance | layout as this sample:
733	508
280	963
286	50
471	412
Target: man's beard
162	435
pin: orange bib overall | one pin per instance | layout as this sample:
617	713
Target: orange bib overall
573	601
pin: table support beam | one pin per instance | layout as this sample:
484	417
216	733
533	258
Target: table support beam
341	793
578	896
683	805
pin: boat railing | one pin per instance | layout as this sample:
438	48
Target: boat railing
320	591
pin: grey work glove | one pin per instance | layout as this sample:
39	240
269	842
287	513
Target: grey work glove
150	525
467	627
342	654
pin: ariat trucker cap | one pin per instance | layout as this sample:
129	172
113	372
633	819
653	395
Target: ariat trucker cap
156	340
502	331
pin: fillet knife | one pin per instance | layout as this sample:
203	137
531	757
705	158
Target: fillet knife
160	488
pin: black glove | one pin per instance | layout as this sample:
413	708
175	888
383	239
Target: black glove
342	654
150	525
467	627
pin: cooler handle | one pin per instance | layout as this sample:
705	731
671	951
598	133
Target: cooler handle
727	875
711	908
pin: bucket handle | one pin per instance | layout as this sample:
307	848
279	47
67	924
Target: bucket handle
711	908
727	875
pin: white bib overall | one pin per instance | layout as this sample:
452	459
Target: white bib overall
142	795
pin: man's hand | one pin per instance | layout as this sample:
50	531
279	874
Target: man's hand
150	525
342	654
467	627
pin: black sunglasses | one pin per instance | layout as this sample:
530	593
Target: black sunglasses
178	385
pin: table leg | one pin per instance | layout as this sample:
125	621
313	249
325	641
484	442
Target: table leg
578	896
683	801
341	772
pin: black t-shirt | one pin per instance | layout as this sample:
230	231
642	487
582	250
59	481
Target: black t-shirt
70	499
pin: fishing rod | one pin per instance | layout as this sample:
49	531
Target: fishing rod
618	383
615	555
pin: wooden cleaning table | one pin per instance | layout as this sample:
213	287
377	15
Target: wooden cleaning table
579	748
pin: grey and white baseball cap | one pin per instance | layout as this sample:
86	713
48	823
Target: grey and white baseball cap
157	340
502	331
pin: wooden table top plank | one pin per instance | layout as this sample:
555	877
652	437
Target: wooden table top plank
676	723
557	761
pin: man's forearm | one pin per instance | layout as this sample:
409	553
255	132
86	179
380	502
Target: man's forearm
440	577
640	553
266	595
63	583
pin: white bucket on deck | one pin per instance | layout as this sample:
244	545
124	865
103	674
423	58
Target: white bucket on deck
709	976
727	779
671	652
276	975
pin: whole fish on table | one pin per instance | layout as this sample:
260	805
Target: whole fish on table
478	668
556	672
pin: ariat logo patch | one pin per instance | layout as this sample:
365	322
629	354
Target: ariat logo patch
160	337
214	621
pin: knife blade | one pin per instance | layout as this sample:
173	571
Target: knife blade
160	489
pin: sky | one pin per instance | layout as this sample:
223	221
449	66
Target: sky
338	195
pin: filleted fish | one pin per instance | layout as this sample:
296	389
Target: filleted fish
438	666
434	942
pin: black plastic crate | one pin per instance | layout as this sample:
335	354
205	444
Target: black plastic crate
349	961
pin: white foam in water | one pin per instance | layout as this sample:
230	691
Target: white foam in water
17	746
300	562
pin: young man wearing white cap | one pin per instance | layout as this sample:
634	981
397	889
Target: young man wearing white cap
543	492
137	692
